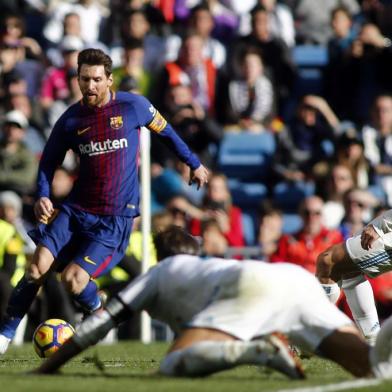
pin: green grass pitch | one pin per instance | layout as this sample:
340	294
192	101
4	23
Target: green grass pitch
131	367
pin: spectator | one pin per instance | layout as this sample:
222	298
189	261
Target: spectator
276	56
337	74
71	28
368	70
196	127
218	205
13	60
18	165
11	262
359	205
377	138
54	84
11	210
34	138
312	19
201	21
135	26
270	229
91	15
193	69
302	144
133	66
61	99
247	102
350	151
214	242
303	247
12	32
338	181
281	21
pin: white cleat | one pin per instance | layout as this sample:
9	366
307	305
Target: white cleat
4	343
281	358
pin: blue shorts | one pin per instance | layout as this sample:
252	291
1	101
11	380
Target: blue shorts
95	242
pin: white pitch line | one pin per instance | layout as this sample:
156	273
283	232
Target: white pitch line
341	386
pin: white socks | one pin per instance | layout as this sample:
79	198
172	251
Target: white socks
207	357
4	343
332	291
360	298
381	354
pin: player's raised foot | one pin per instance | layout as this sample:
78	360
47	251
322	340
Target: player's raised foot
280	357
4	343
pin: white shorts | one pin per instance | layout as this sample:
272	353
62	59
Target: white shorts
375	261
294	304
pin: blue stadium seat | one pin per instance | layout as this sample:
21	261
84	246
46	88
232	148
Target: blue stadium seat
246	156
247	195
310	61
289	195
248	228
291	223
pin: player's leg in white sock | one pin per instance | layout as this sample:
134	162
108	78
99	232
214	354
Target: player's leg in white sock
360	298
207	357
332	291
381	353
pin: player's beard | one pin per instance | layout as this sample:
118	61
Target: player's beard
95	100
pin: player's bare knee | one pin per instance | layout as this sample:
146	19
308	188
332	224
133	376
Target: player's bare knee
75	280
35	273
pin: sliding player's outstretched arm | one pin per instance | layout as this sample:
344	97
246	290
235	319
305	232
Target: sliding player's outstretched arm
132	298
90	332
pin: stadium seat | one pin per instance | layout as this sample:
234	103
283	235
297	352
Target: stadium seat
310	61
246	156
291	223
247	195
289	195
248	228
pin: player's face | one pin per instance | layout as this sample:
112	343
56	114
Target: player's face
94	85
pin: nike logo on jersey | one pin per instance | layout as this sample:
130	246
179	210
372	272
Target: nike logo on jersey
88	260
81	131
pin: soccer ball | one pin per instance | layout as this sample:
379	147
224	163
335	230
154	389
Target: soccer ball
50	336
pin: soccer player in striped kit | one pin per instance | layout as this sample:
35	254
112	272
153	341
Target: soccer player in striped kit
88	234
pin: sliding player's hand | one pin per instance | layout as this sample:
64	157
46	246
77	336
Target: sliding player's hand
43	209
368	236
199	176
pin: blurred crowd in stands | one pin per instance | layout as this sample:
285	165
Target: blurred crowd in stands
289	103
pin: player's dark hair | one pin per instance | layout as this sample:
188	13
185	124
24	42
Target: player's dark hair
95	57
173	241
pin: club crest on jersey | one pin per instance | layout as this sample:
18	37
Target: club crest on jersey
116	122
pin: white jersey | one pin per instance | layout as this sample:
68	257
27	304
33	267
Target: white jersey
180	287
245	299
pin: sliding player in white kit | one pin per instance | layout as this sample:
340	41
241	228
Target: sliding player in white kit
224	312
345	265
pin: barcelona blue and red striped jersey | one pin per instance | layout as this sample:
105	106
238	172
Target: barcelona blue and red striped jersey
107	141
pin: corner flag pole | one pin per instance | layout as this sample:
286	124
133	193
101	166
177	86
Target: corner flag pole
145	142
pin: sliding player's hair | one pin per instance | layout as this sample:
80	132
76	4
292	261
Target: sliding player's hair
173	241
95	57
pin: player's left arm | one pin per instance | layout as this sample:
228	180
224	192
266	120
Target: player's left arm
150	117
